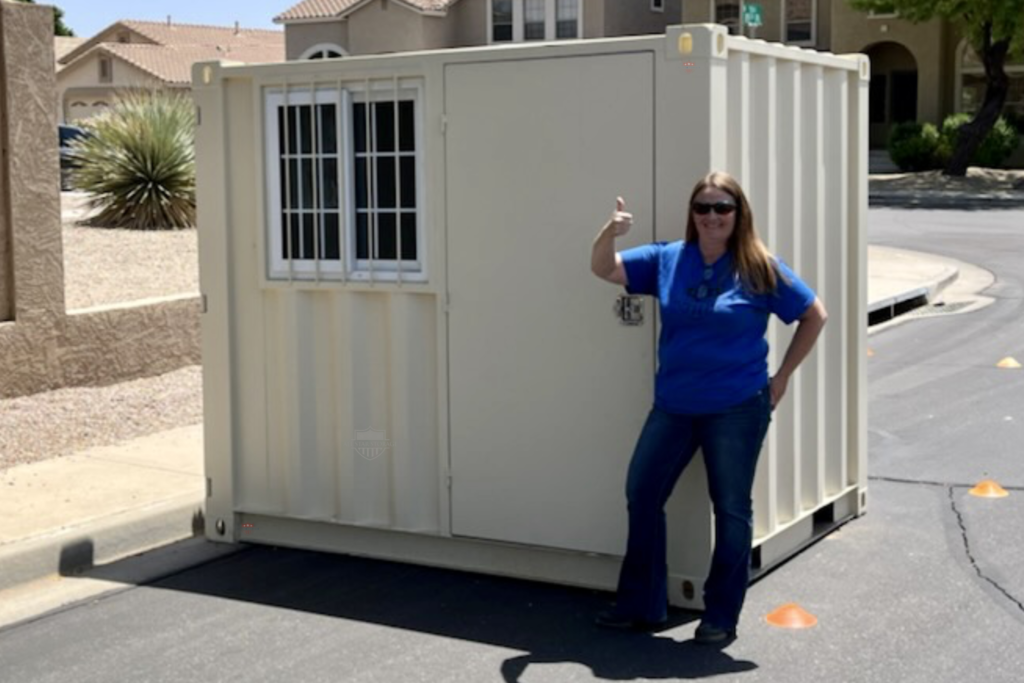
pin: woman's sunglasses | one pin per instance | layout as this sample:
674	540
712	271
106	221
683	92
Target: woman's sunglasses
721	208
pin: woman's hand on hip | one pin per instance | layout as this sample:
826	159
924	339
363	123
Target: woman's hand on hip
777	388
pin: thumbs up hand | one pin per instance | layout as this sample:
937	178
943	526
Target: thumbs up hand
621	219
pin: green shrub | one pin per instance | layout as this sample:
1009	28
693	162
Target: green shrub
914	146
139	163
996	148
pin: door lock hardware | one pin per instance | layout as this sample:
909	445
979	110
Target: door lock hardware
630	309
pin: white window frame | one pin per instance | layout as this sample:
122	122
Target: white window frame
550	25
348	267
657	5
814	26
323	47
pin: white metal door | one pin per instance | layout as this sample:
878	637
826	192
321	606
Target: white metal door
548	389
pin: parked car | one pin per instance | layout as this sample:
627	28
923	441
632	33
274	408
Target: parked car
66	134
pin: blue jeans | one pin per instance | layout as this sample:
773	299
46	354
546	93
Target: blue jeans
731	441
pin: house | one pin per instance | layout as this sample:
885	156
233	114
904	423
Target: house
919	71
335	28
132	54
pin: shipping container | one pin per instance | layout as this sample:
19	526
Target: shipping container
405	353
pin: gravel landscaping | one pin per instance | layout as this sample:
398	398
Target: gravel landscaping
101	267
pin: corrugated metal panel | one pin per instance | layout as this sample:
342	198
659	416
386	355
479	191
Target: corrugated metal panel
789	141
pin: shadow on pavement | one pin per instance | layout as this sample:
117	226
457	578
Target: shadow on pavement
548	624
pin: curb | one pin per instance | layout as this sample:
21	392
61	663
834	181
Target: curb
75	549
944	201
890	308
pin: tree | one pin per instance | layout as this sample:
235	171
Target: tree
59	27
993	29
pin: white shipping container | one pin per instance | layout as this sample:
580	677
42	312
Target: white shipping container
405	354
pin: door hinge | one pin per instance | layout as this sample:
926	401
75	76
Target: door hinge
444	124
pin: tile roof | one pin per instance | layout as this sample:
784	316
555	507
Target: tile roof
324	9
166	34
63	46
173	63
192	34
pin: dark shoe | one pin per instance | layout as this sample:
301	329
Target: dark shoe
712	635
614	621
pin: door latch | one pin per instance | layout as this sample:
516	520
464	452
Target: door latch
630	309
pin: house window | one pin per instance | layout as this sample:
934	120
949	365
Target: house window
800	21
657	5
501	20
727	13
567	16
323	51
533	19
522	20
971	84
106	70
344	184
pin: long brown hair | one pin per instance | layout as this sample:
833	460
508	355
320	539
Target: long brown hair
751	259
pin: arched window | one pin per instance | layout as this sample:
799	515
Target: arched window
324	51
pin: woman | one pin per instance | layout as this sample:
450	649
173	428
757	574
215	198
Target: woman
715	290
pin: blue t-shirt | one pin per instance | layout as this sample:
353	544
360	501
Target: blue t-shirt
712	353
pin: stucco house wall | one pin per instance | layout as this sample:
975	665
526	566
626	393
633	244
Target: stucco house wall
632	17
299	38
388	27
41	347
927	43
379	27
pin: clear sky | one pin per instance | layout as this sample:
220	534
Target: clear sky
87	17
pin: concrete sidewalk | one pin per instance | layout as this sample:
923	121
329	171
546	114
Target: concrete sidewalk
62	520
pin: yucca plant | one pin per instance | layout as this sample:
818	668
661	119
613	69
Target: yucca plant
138	162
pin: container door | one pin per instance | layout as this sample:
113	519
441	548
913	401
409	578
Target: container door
549	389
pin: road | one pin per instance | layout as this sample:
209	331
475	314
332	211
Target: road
928	586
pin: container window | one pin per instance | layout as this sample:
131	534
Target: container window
385	179
343	179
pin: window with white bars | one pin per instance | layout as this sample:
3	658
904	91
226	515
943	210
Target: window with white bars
344	183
